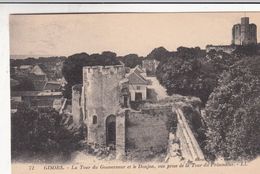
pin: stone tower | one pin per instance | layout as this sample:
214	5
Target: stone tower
76	104
102	102
244	33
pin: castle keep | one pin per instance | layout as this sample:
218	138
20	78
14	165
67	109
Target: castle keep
244	33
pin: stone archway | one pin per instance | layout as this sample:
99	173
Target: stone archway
111	131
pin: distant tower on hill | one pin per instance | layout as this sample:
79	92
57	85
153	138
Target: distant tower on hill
244	33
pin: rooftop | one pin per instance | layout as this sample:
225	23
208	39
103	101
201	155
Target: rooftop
37	70
136	78
100	66
34	93
25	66
52	85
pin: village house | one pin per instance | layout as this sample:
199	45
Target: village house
44	93
39	99
137	84
52	86
23	69
38	77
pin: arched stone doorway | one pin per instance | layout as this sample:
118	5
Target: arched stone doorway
111	131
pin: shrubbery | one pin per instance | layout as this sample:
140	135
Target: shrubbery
232	112
229	86
183	74
40	133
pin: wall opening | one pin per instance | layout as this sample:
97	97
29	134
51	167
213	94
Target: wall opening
94	121
125	101
85	131
85	115
111	131
125	95
138	96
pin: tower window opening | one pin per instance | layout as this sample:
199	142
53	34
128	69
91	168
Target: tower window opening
85	115
94	119
125	101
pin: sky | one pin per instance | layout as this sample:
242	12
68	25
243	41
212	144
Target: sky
122	33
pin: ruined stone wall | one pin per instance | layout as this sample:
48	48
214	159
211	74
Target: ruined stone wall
120	134
76	104
189	146
225	48
100	98
147	130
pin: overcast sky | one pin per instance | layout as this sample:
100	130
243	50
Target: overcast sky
63	35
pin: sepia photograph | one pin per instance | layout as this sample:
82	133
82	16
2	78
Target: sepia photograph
134	90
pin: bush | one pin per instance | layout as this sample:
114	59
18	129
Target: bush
171	123
232	113
186	74
193	72
40	132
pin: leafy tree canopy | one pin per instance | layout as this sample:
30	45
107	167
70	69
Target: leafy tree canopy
159	54
131	60
40	132
193	72
186	74
232	112
24	84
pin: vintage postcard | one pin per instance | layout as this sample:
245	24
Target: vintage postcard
135	92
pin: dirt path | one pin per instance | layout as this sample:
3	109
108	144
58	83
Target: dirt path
159	89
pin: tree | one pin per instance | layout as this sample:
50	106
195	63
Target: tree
131	60
232	113
38	132
220	61
193	72
246	50
73	66
186	74
159	54
24	84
